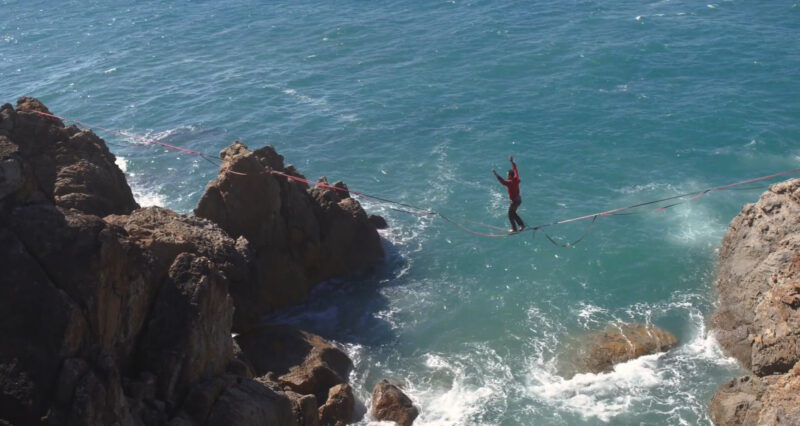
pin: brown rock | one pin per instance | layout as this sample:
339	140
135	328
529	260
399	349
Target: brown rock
305	408
755	258
69	166
299	236
599	352
390	403
304	363
252	403
339	407
750	400
166	234
188	333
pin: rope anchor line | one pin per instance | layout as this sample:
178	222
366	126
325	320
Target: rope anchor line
411	209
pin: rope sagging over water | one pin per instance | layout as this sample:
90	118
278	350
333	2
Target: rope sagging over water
456	221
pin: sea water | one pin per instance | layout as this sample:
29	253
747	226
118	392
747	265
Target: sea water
602	104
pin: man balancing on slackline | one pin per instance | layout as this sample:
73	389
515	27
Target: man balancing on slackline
512	184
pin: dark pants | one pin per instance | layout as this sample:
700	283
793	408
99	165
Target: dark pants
513	217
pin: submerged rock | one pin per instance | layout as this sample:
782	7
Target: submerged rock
390	403
599	352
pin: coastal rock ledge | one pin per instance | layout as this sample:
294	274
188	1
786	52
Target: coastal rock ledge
757	320
111	314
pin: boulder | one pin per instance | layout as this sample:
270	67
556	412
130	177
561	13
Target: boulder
302	362
299	236
390	403
599	352
339	407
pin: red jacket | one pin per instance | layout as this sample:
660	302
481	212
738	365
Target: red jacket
512	184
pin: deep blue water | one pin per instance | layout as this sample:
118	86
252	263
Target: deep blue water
602	104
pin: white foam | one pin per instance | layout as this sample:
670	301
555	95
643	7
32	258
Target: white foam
122	163
603	395
469	391
144	196
110	70
588	313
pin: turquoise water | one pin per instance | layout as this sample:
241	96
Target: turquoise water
602	104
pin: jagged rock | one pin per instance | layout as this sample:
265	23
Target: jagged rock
340	406
111	314
305	408
252	403
377	221
303	362
188	333
599	352
299	236
750	400
390	403
754	274
166	234
69	166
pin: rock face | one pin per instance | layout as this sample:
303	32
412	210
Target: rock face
758	317
755	283
111	314
390	403
40	158
750	400
599	352
299	236
302	363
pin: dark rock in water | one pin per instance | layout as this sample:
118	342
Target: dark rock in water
378	221
599	352
299	236
390	403
303	362
750	400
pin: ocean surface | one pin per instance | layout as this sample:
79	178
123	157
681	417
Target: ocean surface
602	104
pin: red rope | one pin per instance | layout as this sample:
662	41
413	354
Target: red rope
140	138
417	210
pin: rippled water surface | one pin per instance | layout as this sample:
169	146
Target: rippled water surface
603	105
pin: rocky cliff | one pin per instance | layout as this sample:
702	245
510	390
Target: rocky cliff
112	314
757	320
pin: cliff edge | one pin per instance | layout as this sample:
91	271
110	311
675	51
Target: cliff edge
757	320
111	314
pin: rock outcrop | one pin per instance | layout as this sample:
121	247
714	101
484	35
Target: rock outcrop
754	400
304	364
390	403
111	314
599	352
68	166
757	320
299	237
